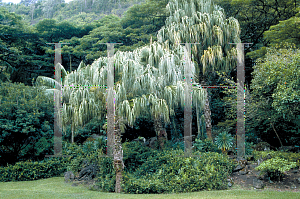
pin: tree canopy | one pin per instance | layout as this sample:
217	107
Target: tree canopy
275	95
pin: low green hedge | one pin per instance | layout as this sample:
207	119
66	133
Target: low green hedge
28	170
51	167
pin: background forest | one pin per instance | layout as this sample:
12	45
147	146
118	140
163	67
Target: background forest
272	69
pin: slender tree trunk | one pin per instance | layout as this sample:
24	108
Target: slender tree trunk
72	137
174	126
198	119
207	117
118	157
70	63
277	135
160	131
32	11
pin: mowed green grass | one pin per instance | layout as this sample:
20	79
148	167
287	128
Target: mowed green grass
55	188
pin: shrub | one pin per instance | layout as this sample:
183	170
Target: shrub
135	154
205	146
81	155
248	148
275	167
152	171
28	170
106	177
291	157
174	144
167	172
94	144
92	153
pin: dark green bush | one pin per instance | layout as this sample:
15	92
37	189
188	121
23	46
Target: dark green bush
86	153
26	123
206	146
174	144
135	154
248	148
83	133
167	172
106	178
92	153
28	170
49	167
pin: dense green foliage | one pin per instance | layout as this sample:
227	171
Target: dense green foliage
87	153
256	17
33	11
29	170
135	154
275	167
30	56
95	126
21	50
167	173
277	163
206	146
91	152
291	157
206	172
133	30
26	123
275	96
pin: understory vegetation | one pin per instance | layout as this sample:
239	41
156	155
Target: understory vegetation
146	170
150	170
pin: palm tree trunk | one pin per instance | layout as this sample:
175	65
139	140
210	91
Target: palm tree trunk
118	187
198	119
72	136
207	117
118	157
160	131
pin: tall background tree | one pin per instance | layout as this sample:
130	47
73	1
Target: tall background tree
26	123
275	108
205	23
255	18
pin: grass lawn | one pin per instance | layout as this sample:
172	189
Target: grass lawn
55	188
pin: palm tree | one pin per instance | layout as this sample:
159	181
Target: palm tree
159	82
80	105
149	80
194	21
